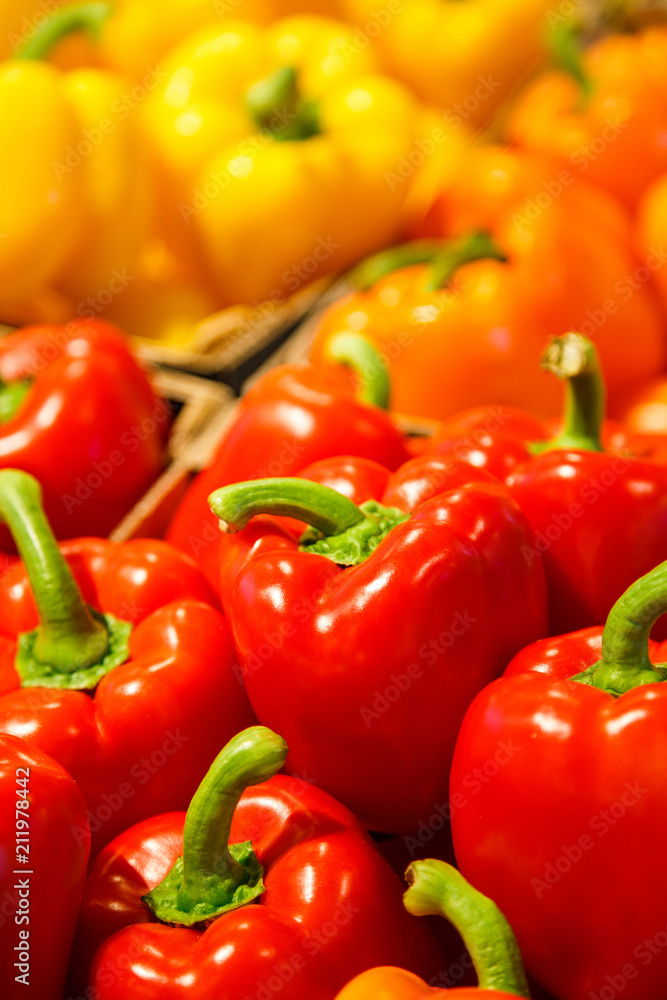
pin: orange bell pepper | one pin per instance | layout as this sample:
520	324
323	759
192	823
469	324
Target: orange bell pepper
389	983
651	234
479	340
608	121
21	20
438	888
644	408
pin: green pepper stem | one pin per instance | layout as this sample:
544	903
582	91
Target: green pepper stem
276	106
212	876
371	270
459	251
253	756
68	637
74	17
565	39
357	353
573	357
625	662
438	888
12	395
323	508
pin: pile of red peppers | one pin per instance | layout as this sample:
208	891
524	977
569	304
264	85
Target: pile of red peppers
380	716
368	648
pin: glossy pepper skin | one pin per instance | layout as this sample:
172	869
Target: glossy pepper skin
380	658
594	494
598	519
565	835
612	132
76	204
478	339
439	889
281	137
501	439
83	388
42	869
331	905
139	739
292	416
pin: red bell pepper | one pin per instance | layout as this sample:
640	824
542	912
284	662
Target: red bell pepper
292	416
325	907
133	702
77	412
375	634
42	869
437	888
558	794
594	495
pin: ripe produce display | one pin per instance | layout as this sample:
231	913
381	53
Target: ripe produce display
437	888
136	625
447	53
43	869
380	592
327	905
286	130
292	416
425	582
550	836
78	413
76	202
241	130
459	333
594	493
606	117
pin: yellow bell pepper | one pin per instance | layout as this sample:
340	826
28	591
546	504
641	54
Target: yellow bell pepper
164	303
110	163
76	194
40	216
467	56
140	32
284	154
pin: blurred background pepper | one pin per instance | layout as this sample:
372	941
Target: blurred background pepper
474	333
76	207
273	145
607	116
